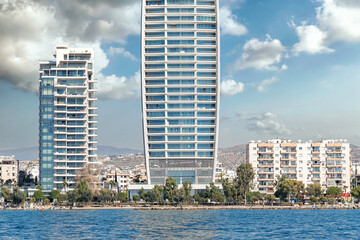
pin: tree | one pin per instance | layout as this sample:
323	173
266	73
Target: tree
215	193
136	198
8	182
18	196
245	175
289	187
323	200
39	187
253	197
65	185
229	190
313	200
38	195
25	178
89	175
104	195
179	195
53	194
170	186
332	200
270	199
187	186
112	184
150	196
159	193
314	190
6	194
334	192
62	197
84	194
46	201
72	196
123	197
355	192
142	194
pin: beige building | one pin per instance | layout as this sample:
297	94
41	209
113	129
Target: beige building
326	162
122	179
9	169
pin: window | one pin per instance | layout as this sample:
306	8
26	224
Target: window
155	34
155	18
180	2
154	42
180	34
178	10
180	58
180	42
180	18
154	50
205	18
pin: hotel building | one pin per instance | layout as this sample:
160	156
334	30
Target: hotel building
9	169
67	138
180	89
326	162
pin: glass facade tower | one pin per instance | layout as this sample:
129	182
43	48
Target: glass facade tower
180	89
67	138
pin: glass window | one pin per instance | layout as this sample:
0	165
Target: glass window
178	10
180	34
180	2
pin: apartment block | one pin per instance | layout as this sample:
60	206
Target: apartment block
9	169
68	118
180	89
326	162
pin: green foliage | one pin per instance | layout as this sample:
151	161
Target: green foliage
136	198
39	187
253	197
33	199
53	194
122	196
229	189
25	178
18	196
215	193
84	194
150	196
289	187
6	194
323	199
38	195
313	200
142	194
355	192
270	199
187	186
159	192
104	195
314	190
245	175
170	186
62	197
332	200
334	192
46	201
72	196
179	195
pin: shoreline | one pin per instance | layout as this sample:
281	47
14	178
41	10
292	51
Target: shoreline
186	207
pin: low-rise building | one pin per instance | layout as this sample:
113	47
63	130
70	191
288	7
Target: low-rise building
326	162
9	168
122	180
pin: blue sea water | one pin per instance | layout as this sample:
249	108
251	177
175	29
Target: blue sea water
176	224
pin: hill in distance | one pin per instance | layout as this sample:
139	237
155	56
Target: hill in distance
32	153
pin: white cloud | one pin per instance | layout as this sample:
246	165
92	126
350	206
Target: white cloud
269	127
337	20
260	55
123	52
263	116
231	87
230	24
30	30
312	40
284	67
341	19
119	88
265	83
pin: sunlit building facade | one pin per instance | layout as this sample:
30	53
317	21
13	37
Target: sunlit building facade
326	162
68	125
180	89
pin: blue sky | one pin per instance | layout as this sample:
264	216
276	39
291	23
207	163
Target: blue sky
289	69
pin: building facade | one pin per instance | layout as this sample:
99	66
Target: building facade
68	125
180	89
9	169
326	162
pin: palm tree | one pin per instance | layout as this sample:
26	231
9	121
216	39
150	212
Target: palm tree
112	183
65	184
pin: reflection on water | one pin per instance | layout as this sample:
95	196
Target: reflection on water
196	224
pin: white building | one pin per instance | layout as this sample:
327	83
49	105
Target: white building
9	169
67	116
326	162
180	89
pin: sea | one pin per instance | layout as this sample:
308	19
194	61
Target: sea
181	224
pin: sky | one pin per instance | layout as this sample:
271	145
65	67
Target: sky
289	69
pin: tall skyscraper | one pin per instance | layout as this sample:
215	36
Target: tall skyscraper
180	89
67	138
